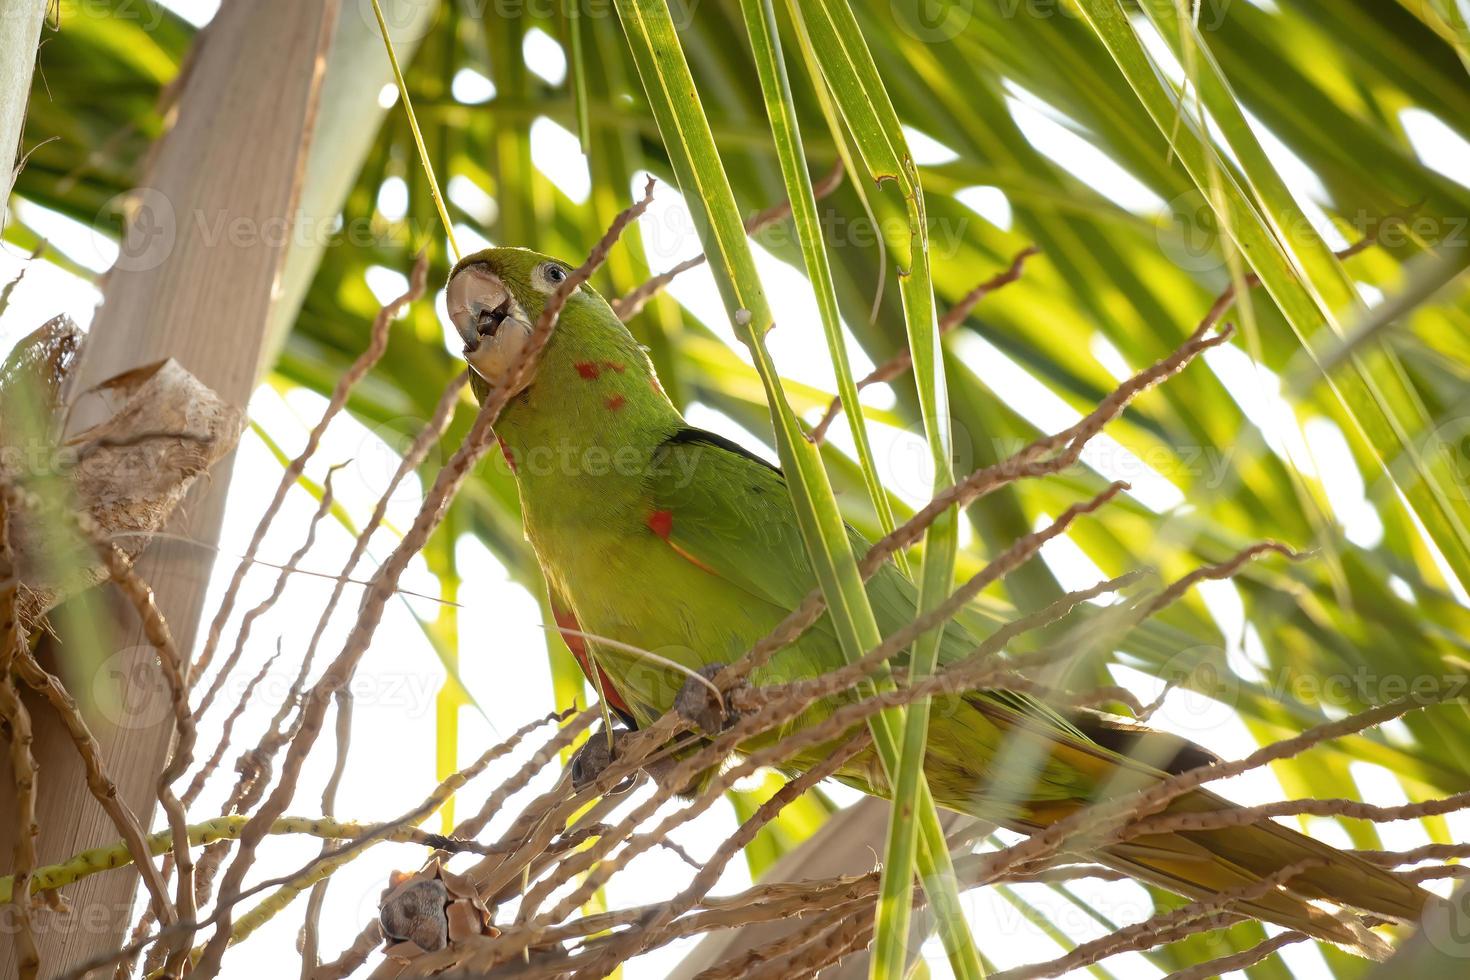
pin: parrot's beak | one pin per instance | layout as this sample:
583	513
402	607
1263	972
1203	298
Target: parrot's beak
493	325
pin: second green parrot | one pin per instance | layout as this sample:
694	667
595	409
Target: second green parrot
671	539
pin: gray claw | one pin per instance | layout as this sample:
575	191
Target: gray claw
697	704
595	755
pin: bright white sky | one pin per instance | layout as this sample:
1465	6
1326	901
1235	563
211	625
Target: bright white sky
501	639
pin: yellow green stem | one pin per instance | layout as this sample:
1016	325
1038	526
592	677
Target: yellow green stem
116	855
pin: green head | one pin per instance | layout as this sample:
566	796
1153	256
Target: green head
593	388
495	297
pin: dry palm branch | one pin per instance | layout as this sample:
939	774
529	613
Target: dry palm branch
516	904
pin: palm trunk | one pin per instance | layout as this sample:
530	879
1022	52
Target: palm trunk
20	32
196	282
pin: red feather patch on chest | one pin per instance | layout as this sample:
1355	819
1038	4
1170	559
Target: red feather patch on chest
661	522
615	402
588	370
578	645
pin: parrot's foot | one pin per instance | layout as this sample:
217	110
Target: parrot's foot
595	755
700	704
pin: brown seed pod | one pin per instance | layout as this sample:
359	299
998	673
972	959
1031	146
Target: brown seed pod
428	910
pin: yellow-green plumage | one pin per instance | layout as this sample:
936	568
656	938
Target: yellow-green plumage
673	540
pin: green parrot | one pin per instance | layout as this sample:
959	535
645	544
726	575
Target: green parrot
667	538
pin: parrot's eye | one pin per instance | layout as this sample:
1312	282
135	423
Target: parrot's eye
553	274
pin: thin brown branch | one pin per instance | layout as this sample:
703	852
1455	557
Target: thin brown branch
1418	875
822	919
247	622
1236	817
173	667
228	729
353	956
309	941
411	818
1250	280
629	305
23	771
1239	961
1047	455
1427	852
101	785
339	672
952	318
1200	916
256	765
826	947
377	345
631	942
417	452
17	723
1021	551
1221	570
156	630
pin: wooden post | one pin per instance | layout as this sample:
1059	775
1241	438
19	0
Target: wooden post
20	32
196	280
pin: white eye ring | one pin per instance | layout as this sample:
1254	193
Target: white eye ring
553	274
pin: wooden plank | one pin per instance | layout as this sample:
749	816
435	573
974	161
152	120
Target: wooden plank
196	281
20	32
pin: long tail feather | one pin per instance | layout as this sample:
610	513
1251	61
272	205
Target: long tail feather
1072	767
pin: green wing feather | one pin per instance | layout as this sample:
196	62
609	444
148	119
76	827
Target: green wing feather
730	513
997	754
